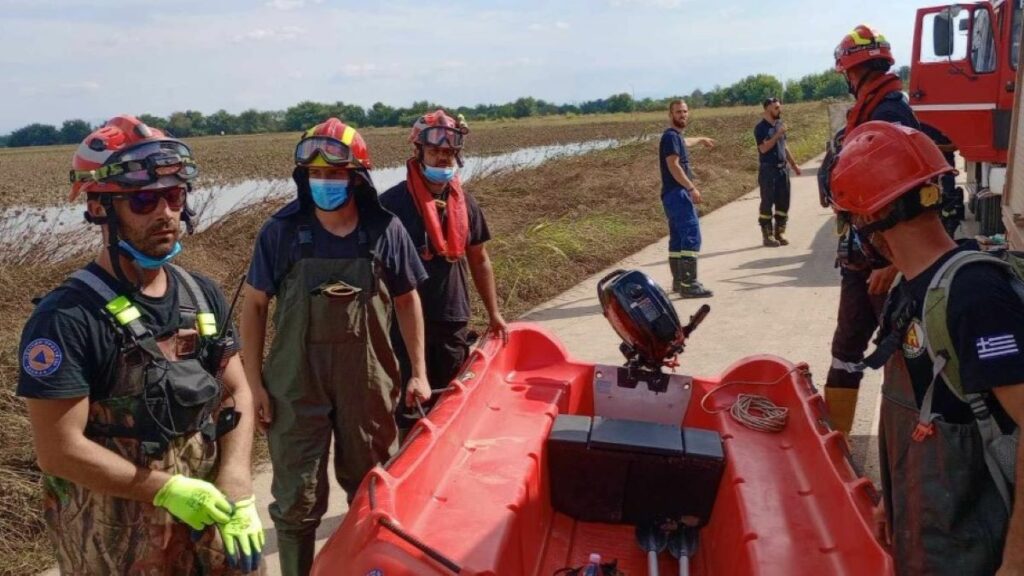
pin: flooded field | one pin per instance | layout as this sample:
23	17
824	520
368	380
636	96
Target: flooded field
39	176
214	202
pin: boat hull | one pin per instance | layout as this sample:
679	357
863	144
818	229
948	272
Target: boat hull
469	492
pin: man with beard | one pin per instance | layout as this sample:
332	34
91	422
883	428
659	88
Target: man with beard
339	267
864	57
141	416
773	173
679	197
449	231
953	391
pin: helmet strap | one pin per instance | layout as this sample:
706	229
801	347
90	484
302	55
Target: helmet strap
113	239
188	214
906	207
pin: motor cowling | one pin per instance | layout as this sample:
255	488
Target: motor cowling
642	315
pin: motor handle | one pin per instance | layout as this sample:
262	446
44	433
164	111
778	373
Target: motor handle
696	319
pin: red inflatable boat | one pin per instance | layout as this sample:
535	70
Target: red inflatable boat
472	490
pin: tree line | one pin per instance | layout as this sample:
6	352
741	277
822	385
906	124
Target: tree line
748	91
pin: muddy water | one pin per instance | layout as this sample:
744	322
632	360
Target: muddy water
21	224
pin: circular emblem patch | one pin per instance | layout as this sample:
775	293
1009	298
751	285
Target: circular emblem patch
913	340
42	357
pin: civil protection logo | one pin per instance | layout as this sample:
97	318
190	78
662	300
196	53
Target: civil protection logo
42	357
913	340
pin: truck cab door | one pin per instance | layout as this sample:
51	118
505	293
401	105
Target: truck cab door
955	80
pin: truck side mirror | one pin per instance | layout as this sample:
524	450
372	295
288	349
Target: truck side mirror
942	34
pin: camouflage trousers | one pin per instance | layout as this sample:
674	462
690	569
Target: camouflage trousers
96	534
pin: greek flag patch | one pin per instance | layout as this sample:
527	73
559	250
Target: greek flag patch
996	346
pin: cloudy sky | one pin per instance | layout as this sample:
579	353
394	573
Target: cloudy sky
92	59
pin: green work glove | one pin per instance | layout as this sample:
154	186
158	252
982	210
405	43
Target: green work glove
194	502
243	536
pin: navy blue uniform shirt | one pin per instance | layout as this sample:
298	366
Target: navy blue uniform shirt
672	143
402	268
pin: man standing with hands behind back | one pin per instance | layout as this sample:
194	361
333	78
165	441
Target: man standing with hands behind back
772	173
680	196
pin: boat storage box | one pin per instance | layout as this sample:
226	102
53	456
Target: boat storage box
612	470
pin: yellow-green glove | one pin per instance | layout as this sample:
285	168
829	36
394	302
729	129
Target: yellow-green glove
194	502
243	536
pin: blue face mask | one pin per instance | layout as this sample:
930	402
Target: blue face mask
328	195
439	175
148	262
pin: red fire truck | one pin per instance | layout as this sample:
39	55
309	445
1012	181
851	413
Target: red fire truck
963	81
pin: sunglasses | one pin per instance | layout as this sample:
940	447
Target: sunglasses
145	201
442	136
332	151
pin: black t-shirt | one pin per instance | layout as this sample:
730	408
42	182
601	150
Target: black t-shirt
985	317
673	144
69	345
777	155
396	253
445	293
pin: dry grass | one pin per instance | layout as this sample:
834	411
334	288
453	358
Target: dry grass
552	226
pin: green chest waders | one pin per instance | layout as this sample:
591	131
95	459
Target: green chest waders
946	514
331	372
99	534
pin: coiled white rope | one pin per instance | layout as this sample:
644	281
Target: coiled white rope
752	410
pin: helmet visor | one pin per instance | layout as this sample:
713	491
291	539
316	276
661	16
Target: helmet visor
332	151
443	136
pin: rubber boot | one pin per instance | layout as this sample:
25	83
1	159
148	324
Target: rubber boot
842	406
767	239
295	553
675	264
689	286
780	229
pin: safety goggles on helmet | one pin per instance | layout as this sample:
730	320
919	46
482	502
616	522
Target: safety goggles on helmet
331	150
144	164
441	136
145	201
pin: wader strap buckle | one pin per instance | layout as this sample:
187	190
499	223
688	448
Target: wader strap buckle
922	431
153	449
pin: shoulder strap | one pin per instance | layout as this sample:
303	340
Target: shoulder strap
935	318
121	310
206	321
946	364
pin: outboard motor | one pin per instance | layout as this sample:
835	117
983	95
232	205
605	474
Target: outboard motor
642	315
632	461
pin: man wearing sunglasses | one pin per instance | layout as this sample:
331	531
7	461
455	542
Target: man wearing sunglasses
449	230
338	265
141	416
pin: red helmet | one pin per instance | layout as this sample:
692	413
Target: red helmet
880	162
439	129
125	155
332	143
861	45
